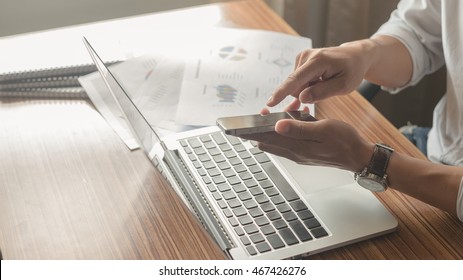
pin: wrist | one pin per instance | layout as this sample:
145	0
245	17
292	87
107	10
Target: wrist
366	52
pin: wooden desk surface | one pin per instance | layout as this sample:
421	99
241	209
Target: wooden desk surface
69	189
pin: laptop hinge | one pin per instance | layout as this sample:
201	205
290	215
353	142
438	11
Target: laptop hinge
193	195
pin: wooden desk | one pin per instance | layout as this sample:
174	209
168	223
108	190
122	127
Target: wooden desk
69	188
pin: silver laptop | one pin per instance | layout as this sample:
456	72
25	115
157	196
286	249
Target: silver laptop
255	205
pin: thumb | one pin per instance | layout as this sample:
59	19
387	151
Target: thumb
297	129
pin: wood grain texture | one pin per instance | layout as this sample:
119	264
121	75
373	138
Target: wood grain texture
69	188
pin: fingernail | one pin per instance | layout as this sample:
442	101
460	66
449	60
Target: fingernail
270	100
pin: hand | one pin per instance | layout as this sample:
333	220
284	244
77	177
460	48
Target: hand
325	143
322	73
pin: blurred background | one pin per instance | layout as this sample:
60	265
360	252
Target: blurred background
326	22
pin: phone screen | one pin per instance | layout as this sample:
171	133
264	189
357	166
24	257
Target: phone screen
247	124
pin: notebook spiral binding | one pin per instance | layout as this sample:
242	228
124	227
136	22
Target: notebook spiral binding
58	82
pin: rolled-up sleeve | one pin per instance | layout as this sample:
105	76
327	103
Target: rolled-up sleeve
417	24
460	201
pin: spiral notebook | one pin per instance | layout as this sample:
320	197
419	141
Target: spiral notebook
60	82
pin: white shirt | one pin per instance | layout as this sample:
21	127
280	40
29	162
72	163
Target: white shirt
432	30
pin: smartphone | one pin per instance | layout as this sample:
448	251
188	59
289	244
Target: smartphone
250	124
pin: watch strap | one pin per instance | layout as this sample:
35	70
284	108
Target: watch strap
379	160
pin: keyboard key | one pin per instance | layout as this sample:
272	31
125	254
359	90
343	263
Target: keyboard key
304	215
233	140
222	204
268	229
245	175
204	157
263	247
240	211
244	155
243	196
279	224
262	158
250	229
272	191
240	168
256	212
208	164
251	250
225	147
239	188
261	176
245	220
217	196
199	151
214	151
230	155
228	173
261	198
311	223
283	208
300	231
234	161
280	182
228	195
233	203
233	180
267	207
319	232
213	172
239	231
250	183
255	191
249	204
218	138
249	162
278	199
262	221
233	222
274	215
239	148
210	145
224	165
194	143
205	138
255	169
275	241
288	236
298	205
219	158
223	187
289	216
255	151
266	184
256	238
228	213
211	187
245	240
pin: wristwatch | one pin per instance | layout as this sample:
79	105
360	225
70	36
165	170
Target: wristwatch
374	177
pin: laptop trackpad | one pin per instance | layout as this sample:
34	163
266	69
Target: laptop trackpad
314	178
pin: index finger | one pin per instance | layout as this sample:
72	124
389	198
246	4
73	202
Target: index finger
297	81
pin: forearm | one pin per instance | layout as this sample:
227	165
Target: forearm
435	184
386	61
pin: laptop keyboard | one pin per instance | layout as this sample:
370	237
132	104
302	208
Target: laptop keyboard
263	209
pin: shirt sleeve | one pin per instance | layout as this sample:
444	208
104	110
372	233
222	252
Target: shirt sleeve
460	202
417	24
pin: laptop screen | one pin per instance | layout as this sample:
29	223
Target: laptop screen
141	129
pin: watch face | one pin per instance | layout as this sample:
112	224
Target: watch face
371	184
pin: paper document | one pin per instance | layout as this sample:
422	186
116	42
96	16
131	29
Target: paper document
235	74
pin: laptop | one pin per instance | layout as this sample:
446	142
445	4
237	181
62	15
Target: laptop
255	205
